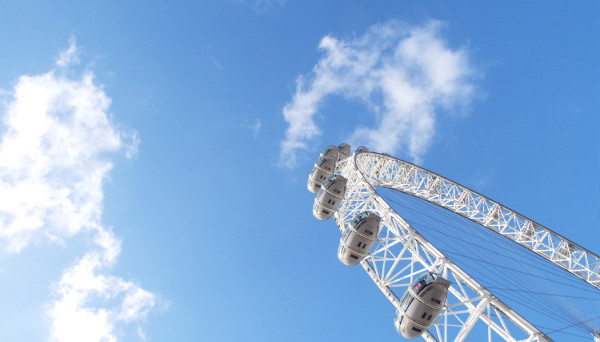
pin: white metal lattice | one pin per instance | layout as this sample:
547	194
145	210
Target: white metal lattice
401	253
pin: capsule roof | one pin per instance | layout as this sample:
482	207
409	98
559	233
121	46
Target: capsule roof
361	149
331	151
344	151
334	178
363	215
326	163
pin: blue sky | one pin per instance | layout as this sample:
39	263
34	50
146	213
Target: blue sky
154	156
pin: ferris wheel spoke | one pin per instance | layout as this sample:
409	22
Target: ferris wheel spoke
395	274
396	262
386	251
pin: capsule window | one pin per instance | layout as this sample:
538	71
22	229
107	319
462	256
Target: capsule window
325	211
429	318
368	232
353	256
416	329
424	315
435	300
361	245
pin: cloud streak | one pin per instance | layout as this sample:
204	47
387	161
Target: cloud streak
69	56
254	127
404	75
55	156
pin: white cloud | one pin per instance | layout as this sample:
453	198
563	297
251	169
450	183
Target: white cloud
70	55
74	319
54	160
404	75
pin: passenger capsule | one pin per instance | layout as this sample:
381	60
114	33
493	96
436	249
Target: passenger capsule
329	197
361	149
323	169
358	238
421	304
331	151
344	151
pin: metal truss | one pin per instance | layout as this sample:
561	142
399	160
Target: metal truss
401	253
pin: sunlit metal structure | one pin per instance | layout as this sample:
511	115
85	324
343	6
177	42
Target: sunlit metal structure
401	254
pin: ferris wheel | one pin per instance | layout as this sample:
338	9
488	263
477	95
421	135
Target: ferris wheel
434	298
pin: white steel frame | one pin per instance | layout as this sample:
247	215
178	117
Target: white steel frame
401	253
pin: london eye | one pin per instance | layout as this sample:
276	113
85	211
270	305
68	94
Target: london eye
454	264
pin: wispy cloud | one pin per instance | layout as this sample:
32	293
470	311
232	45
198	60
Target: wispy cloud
217	64
403	75
480	179
55	156
69	56
261	6
254	127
